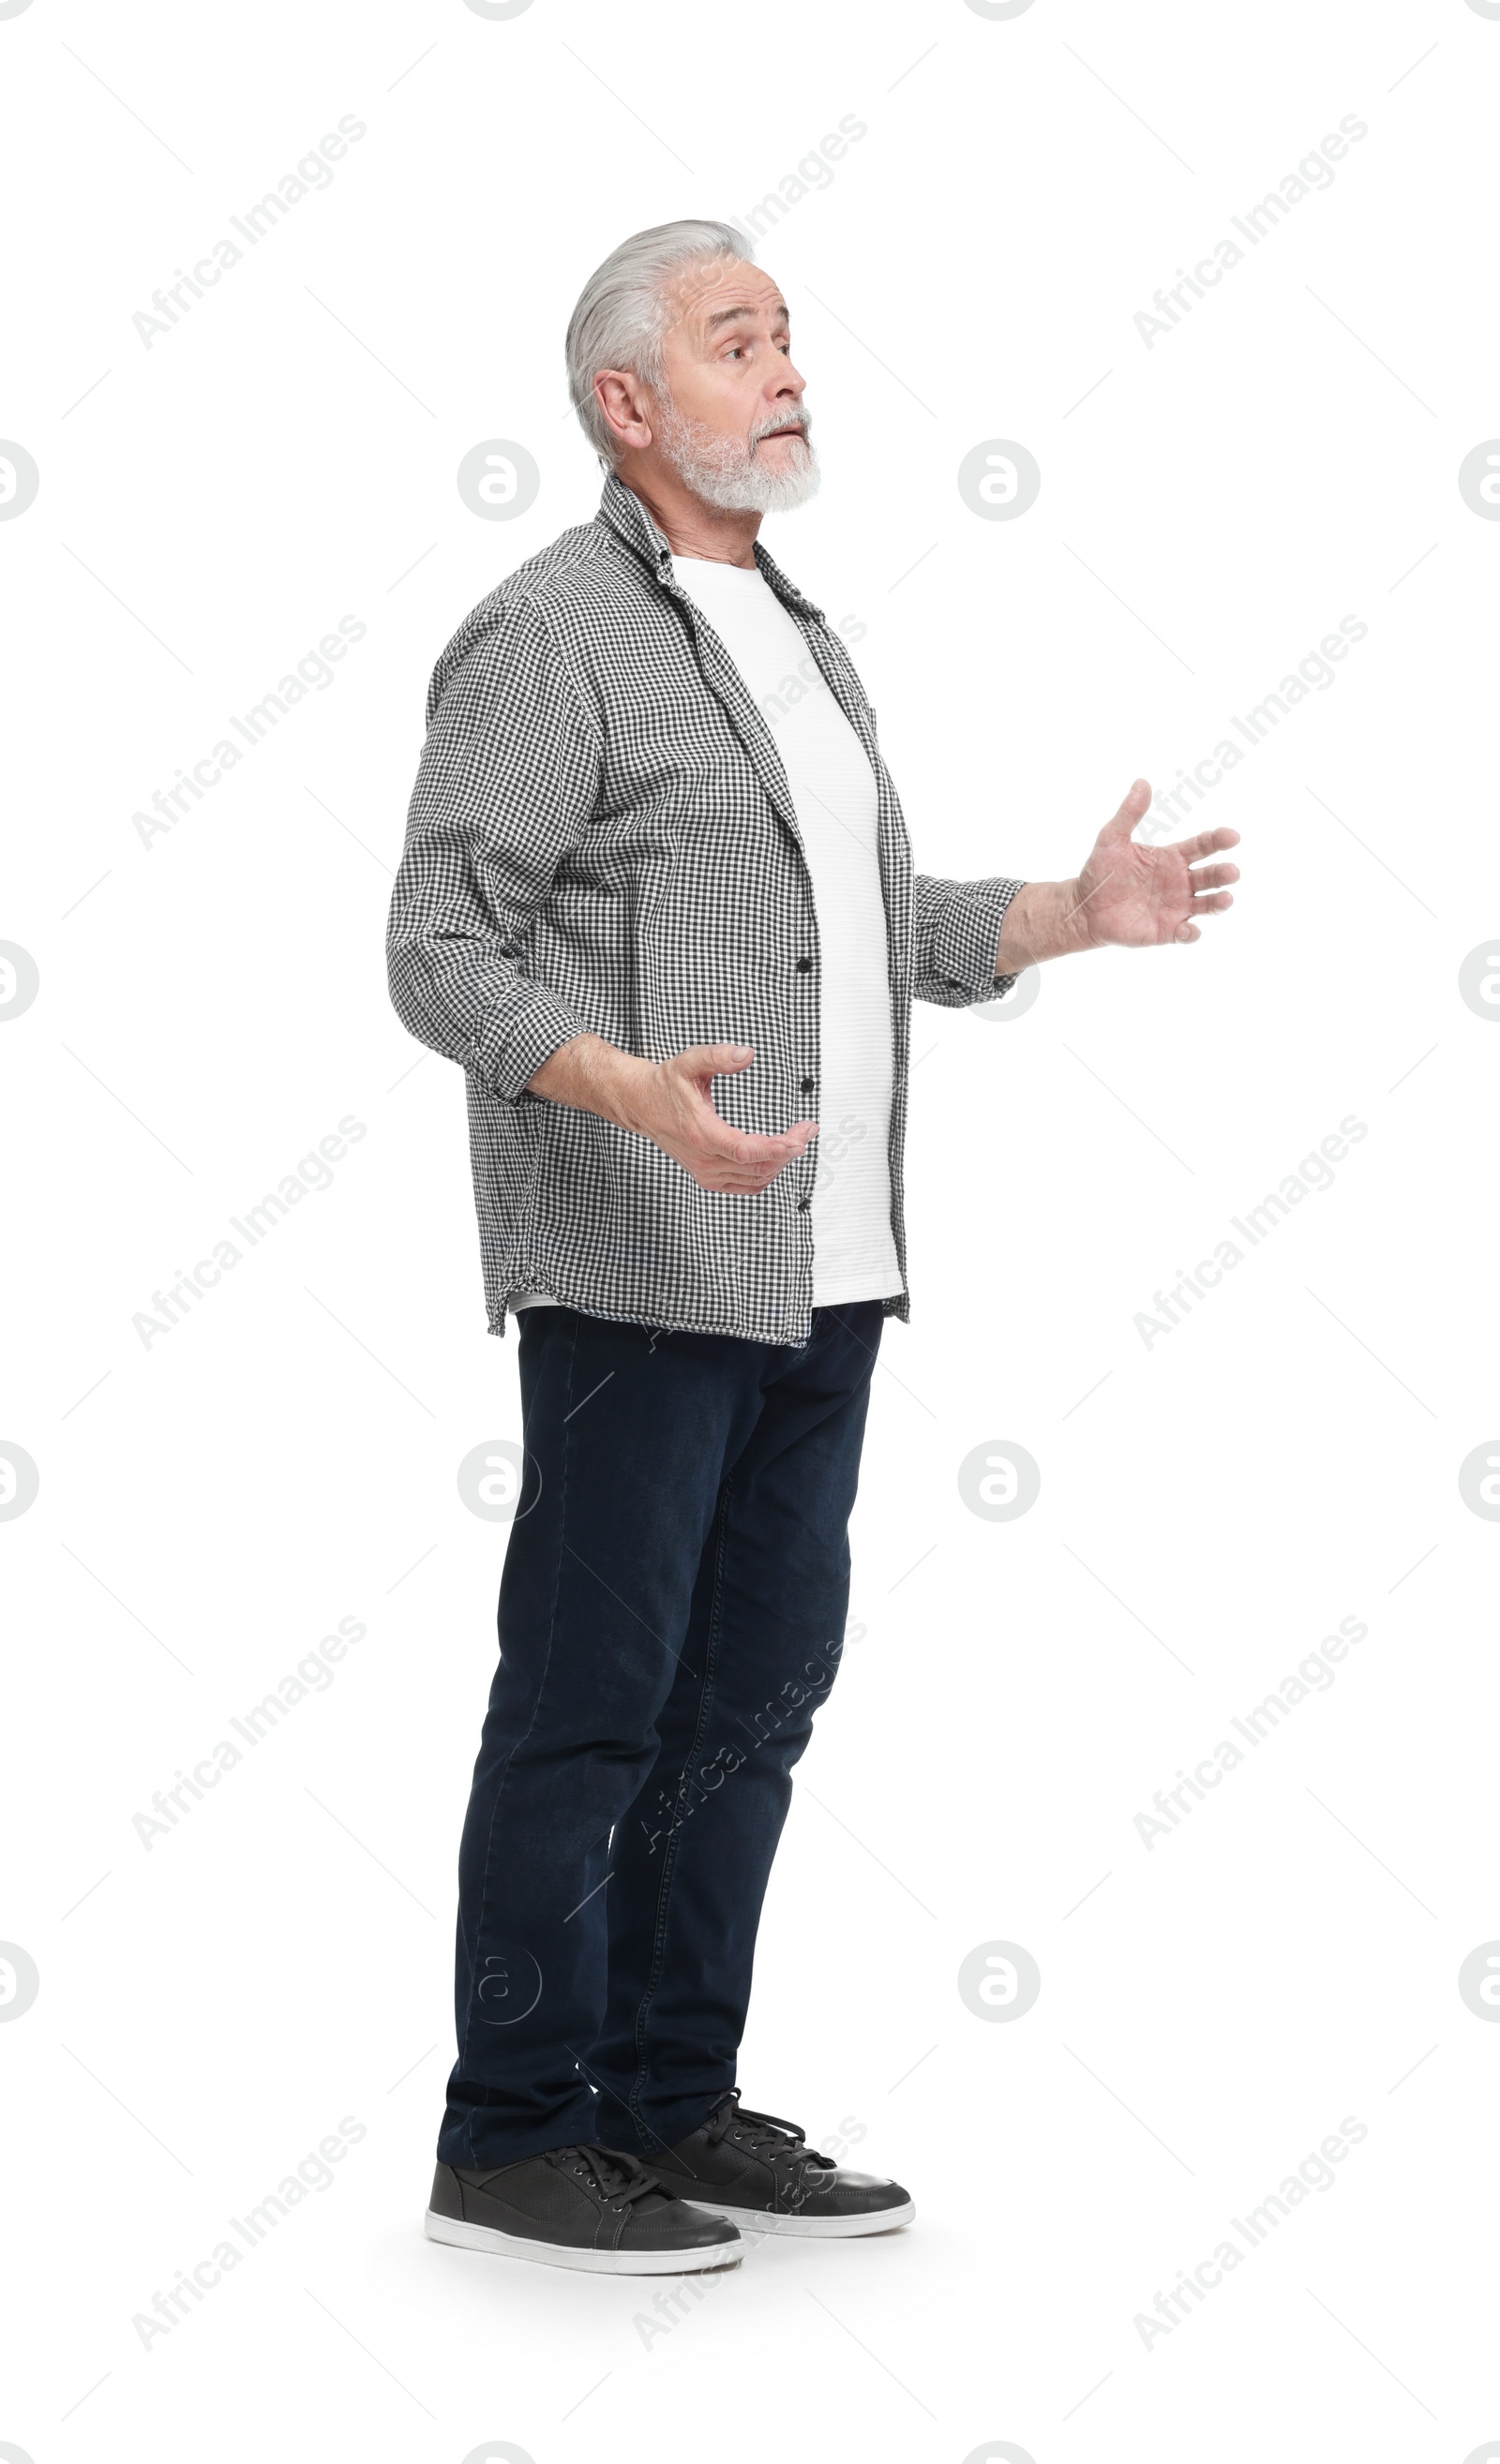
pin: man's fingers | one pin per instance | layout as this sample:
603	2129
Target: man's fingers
743	1179
1207	843
715	1060
1121	823
741	1163
1213	902
1217	876
721	1157
729	1145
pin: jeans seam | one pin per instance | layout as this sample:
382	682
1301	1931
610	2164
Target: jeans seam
670	1865
495	1811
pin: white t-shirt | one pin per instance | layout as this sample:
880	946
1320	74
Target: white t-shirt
835	800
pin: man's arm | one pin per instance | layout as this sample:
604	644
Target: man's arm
506	786
956	926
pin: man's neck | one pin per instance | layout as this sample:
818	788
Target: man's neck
692	528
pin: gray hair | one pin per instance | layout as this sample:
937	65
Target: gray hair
622	316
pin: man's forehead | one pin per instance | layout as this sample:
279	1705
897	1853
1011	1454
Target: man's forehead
709	294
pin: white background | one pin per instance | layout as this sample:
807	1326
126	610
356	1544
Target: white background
213	1003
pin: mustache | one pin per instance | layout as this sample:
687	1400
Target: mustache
799	419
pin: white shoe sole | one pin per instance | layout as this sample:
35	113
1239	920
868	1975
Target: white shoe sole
597	2262
759	2220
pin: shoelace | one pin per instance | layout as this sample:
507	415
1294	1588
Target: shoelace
618	2176
762	2134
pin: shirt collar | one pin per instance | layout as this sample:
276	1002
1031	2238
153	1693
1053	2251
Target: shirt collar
622	510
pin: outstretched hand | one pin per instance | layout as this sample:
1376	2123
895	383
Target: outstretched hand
1137	895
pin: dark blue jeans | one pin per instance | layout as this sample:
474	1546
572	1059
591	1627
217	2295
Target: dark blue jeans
672	1613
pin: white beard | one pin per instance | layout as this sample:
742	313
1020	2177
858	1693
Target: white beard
725	473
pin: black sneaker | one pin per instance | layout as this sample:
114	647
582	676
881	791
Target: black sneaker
578	2206
759	2171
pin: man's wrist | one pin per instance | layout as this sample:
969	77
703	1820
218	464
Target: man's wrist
627	1078
594	1076
1074	918
1046	919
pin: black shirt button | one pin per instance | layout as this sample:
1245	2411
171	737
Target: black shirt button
807	1086
804	966
802	1204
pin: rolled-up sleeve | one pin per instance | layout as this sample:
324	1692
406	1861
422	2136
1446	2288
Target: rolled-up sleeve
506	786
955	935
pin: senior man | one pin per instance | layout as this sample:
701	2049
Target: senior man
657	901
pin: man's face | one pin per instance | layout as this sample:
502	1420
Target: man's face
730	418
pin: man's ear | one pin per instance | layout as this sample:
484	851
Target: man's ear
622	400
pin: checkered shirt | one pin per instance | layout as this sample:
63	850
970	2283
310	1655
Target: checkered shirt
602	839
